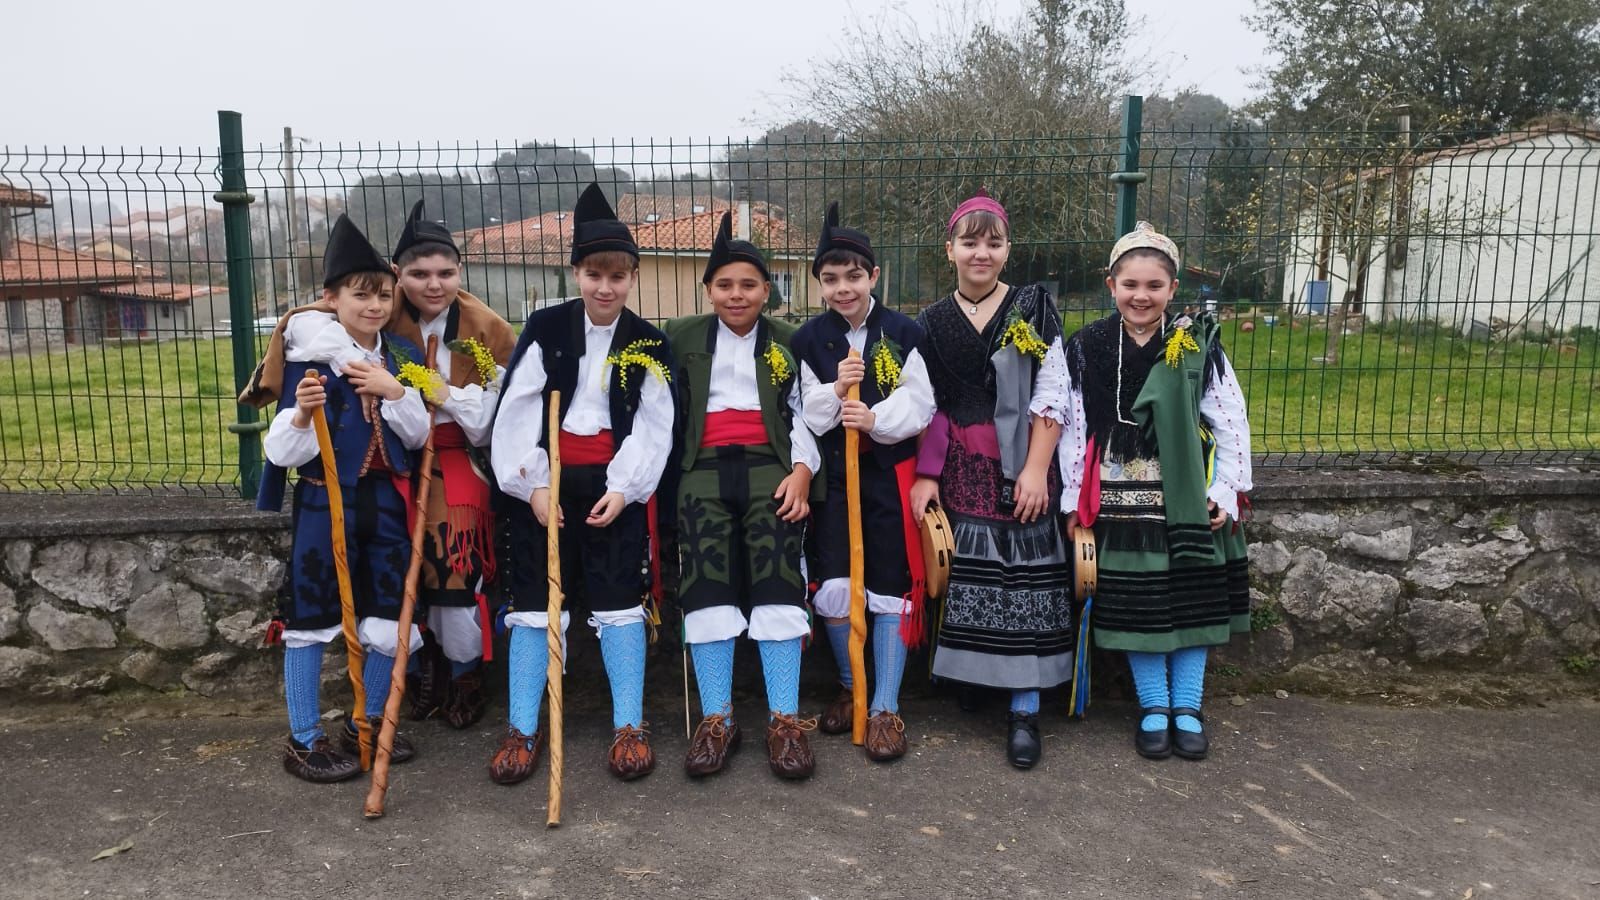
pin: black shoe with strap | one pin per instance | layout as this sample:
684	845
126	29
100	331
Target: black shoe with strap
1022	742
1189	744
319	762
1154	744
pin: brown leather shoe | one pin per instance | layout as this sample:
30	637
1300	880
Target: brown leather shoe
839	717
788	750
631	756
350	742
516	756
465	705
319	763
886	737
714	741
427	689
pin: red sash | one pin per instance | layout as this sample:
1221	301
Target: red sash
587	449
468	524
734	428
913	625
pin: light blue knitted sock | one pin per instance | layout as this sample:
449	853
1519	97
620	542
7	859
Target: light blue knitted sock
713	672
622	647
780	666
1025	702
529	662
1150	680
888	663
1188	684
375	677
302	679
839	640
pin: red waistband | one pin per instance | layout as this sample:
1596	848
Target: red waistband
587	449
734	427
448	435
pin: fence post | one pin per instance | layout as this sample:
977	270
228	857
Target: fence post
236	202
1128	180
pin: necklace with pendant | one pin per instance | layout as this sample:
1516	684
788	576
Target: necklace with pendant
972	305
1121	339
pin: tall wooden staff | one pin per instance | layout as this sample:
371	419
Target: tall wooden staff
354	657
553	609
858	577
408	607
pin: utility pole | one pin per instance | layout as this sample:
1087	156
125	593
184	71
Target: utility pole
288	189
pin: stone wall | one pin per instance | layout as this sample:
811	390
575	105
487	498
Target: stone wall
1378	573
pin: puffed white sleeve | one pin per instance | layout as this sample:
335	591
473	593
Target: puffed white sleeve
909	407
822	405
408	416
520	465
1051	387
636	468
472	407
314	336
802	443
1222	408
287	446
1073	445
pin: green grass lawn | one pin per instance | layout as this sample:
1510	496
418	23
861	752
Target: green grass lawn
156	413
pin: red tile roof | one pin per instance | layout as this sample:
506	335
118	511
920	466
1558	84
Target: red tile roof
165	291
697	232
33	263
11	195
547	239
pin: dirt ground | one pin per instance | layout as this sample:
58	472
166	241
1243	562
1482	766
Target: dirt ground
1301	798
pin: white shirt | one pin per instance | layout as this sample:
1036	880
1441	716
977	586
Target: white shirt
472	407
903	414
522	466
287	446
734	386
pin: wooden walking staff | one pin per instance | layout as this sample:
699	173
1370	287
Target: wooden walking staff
858	577
408	608
354	657
553	610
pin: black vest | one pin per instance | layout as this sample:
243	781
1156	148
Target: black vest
822	342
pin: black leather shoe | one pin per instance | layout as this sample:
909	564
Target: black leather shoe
1189	744
1154	744
1022	744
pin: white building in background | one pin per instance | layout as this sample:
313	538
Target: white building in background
1499	234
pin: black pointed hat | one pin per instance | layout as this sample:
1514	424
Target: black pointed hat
422	231
349	252
837	237
725	250
596	228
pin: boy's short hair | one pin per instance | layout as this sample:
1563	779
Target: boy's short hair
981	223
364	281
608	261
841	257
428	248
1146	253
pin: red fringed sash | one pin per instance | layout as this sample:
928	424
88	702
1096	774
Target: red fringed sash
913	625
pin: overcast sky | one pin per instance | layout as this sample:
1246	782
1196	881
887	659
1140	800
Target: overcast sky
141	73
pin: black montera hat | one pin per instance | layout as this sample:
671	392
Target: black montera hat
725	250
349	252
836	237
421	231
596	228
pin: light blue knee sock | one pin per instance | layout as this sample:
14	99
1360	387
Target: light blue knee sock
302	677
888	663
1025	702
529	662
622	647
839	640
780	666
1188	683
713	672
1150	680
375	677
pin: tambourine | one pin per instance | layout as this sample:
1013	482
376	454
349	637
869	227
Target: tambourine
1086	568
938	549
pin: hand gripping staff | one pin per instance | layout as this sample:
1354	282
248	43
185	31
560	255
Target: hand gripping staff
858	578
408	607
341	567
553	628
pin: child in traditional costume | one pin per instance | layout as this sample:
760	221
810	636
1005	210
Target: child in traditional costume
1007	619
1156	459
474	344
376	423
896	405
743	497
612	369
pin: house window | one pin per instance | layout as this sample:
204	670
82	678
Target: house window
783	286
653	217
133	316
16	316
166	311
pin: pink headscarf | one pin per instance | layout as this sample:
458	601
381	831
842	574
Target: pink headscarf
979	202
